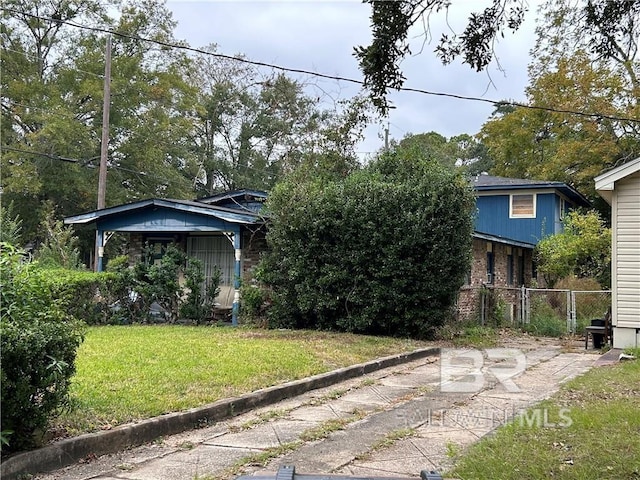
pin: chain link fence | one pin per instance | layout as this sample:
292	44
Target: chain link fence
552	312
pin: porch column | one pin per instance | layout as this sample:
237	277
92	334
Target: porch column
99	249
236	282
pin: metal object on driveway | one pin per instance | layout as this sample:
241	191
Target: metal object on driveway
288	472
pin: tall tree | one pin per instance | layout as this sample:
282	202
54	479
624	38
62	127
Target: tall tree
52	92
461	150
253	129
569	73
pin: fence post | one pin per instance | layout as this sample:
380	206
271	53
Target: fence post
523	305
574	312
569	313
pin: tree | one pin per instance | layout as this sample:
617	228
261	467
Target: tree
583	250
382	251
252	129
569	73
52	92
391	21
461	150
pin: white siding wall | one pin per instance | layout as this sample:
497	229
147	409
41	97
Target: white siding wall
626	252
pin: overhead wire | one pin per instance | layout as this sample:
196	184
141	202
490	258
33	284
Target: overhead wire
339	78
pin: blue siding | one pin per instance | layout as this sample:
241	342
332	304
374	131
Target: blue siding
493	218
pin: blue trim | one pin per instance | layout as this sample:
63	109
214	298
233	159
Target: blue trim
503	240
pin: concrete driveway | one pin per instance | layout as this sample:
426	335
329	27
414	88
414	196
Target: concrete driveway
388	423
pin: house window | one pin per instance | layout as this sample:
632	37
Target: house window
563	207
490	264
522	206
156	249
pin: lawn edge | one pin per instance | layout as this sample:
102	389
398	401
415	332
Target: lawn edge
71	450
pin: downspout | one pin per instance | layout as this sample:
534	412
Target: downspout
236	282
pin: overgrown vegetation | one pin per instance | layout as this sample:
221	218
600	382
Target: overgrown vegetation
382	251
582	250
39	338
595	436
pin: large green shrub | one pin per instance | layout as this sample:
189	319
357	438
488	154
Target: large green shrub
80	291
383	251
39	340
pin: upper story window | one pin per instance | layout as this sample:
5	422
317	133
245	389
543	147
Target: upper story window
562	206
522	206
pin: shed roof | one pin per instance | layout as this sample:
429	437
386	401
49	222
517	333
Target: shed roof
605	183
504	240
490	183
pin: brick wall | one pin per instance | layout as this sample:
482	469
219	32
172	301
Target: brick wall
254	242
469	302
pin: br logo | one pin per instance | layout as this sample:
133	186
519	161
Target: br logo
467	370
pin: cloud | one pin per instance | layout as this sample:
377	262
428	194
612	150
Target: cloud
320	36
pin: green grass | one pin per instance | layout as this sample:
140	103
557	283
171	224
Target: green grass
600	437
128	373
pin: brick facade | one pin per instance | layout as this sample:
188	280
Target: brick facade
512	268
254	242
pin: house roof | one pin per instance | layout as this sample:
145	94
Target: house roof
489	183
605	183
231	215
504	240
244	194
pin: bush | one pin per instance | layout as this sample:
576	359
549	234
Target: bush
199	297
79	291
383	251
255	301
132	290
39	340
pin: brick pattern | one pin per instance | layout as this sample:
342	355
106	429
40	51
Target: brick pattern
254	242
468	304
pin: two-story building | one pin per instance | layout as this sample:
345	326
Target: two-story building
513	215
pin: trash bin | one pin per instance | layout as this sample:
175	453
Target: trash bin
288	472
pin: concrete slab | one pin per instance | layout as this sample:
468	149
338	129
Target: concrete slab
405	396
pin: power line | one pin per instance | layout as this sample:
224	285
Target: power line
597	116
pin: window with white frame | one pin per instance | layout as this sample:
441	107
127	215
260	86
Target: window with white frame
522	205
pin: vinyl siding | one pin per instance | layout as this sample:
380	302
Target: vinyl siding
627	251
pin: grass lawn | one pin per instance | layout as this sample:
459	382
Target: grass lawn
600	439
129	373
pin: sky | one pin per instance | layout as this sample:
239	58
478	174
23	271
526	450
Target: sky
320	35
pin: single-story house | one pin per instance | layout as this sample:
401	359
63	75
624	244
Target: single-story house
224	230
620	187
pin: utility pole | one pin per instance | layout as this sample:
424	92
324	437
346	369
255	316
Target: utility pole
386	137
104	151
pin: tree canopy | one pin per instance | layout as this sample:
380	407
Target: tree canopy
601	24
583	108
582	250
